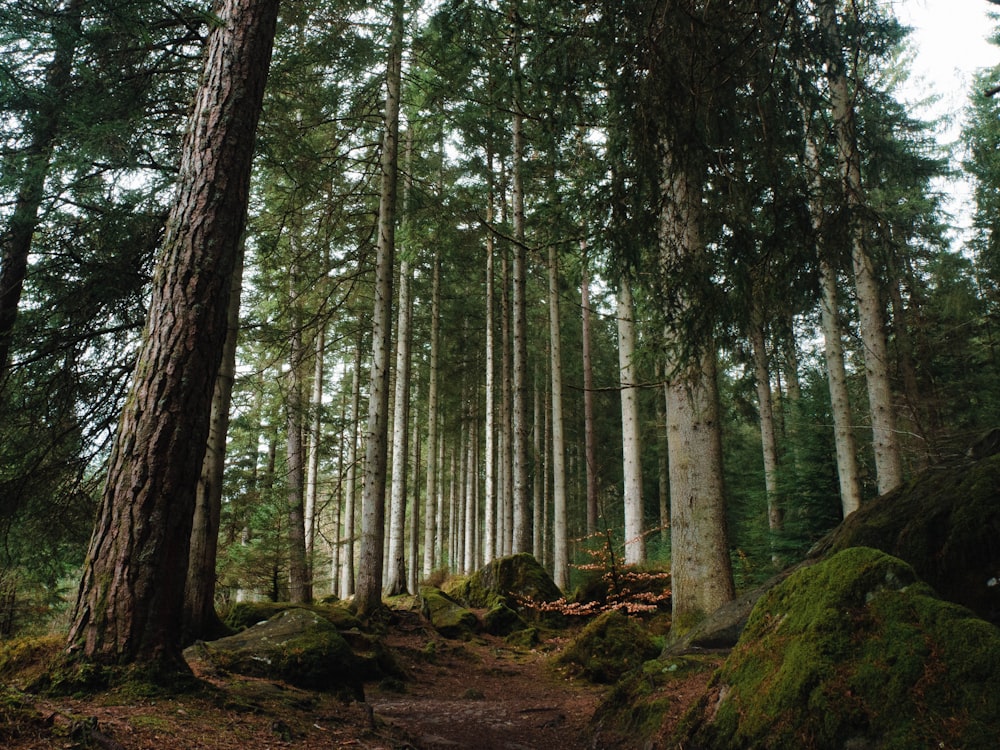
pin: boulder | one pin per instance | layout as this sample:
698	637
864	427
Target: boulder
611	645
853	652
446	615
945	523
512	582
296	646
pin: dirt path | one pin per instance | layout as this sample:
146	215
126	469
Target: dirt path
482	694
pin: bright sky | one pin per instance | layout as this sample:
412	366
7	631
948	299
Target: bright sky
950	44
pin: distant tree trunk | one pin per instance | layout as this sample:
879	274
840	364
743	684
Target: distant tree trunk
368	596
663	462
314	449
589	434
635	542
560	532
768	438
43	127
132	590
505	514
431	514
541	476
298	567
396	583
201	622
350	491
871	311
413	563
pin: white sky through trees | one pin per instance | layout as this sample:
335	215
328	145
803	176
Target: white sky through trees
949	44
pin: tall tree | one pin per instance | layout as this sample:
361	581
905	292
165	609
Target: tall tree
133	582
368	595
635	542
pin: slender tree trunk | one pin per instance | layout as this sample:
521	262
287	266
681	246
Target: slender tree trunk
201	622
469	514
132	589
298	567
589	433
768	438
350	491
490	512
396	583
541	476
431	514
413	564
315	433
560	531
505	541
871	311
635	542
43	125
368	596
663	461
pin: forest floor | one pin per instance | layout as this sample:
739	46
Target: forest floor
482	694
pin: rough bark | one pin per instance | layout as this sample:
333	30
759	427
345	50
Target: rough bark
396	583
201	622
560	532
132	592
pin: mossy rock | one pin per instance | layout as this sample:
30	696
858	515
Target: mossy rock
296	646
854	651
632	712
509	582
607	648
447	616
946	524
246	614
502	620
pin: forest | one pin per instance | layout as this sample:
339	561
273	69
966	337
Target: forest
331	299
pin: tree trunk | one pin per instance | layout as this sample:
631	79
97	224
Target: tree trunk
132	591
201	622
871	312
368	596
396	583
635	542
490	512
701	573
560	531
43	125
313	453
589	434
298	566
431	514
350	490
768	438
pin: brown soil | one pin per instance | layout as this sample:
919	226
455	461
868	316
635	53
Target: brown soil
481	694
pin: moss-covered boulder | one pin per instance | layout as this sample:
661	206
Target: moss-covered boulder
610	645
446	615
245	614
512	582
946	524
854	652
296	646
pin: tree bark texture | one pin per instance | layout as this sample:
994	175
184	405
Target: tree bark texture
589	433
396	583
635	542
132	592
431	513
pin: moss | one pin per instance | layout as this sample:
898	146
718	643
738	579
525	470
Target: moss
607	648
855	650
447	616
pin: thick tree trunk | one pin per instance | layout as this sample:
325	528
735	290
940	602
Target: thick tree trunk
43	125
132	593
368	596
635	542
701	573
201	622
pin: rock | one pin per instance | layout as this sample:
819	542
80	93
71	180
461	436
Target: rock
607	648
509	582
296	646
853	651
946	524
447	616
